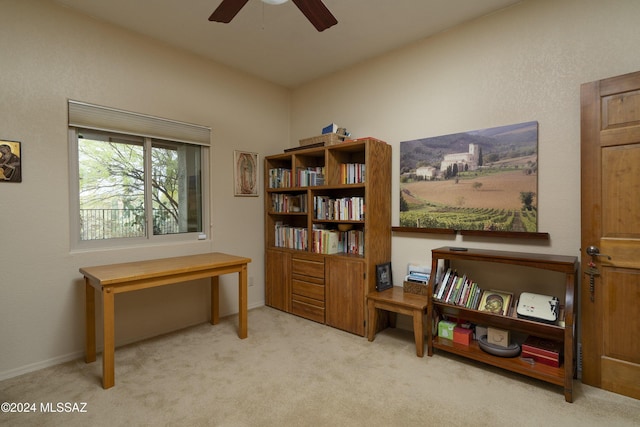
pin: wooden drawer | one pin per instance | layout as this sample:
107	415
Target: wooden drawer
309	287
308	267
308	308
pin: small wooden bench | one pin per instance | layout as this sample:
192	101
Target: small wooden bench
395	300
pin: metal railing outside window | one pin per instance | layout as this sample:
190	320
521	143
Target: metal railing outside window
97	224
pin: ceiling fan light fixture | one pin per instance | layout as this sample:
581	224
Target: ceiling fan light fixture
274	1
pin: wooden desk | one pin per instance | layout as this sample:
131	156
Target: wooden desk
133	276
395	300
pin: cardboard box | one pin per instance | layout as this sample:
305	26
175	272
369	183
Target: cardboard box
498	337
542	351
445	329
462	335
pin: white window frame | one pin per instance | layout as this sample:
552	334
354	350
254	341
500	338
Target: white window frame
84	115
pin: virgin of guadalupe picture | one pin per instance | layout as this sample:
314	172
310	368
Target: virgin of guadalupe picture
246	174
10	161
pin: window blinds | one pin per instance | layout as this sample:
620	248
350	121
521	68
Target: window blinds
109	119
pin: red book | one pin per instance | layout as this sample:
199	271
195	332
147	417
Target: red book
542	350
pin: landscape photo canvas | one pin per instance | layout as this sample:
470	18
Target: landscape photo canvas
479	180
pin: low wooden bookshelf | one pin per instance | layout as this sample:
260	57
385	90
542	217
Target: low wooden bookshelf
567	265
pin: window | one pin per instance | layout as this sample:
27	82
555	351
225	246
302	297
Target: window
128	184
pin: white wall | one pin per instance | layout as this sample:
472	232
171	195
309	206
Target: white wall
49	54
522	64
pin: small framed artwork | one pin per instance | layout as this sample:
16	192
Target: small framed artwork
383	277
10	161
245	174
497	302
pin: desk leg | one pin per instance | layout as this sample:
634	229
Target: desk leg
242	301
215	300
373	320
90	322
108	350
418	321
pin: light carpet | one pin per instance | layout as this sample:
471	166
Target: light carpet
294	372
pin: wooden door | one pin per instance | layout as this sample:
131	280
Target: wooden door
610	181
345	294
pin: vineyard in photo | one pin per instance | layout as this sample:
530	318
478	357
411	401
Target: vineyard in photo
482	180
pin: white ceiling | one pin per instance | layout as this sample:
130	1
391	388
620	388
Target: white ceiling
277	43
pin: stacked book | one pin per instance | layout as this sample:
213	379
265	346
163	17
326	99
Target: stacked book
418	274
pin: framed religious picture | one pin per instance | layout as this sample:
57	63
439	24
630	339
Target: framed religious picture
10	161
383	277
497	302
245	174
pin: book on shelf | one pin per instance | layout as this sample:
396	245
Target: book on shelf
417	277
457	290
352	173
279	178
462	301
288	202
543	350
343	209
311	176
445	283
290	237
455	285
327	241
418	273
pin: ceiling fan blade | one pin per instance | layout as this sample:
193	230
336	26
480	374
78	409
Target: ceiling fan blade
227	10
317	13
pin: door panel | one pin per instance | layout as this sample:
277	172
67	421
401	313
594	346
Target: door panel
278	280
621	186
610	214
345	293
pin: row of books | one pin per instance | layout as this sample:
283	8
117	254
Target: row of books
279	178
311	176
352	173
460	290
338	242
290	237
289	202
343	209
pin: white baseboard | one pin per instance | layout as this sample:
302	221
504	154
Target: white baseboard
12	373
40	365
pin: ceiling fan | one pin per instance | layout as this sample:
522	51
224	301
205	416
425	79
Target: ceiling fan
315	11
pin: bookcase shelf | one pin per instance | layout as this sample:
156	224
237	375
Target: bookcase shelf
328	288
566	265
473	351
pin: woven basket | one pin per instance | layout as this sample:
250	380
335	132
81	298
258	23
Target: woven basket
327	139
415	288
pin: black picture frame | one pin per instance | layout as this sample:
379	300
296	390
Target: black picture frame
384	279
10	161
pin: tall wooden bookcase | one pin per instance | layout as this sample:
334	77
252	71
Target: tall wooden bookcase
318	201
